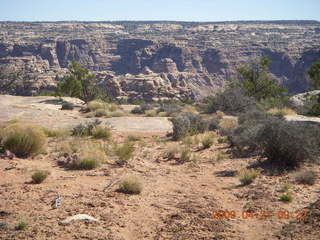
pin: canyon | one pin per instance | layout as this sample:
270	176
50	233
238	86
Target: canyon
156	60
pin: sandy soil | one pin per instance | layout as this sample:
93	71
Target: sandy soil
178	201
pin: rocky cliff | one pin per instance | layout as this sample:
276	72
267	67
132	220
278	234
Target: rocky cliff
154	60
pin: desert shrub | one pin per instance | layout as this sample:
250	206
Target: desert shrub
85	129
286	197
100	113
231	101
124	152
306	177
39	176
311	106
112	107
137	110
95	105
23	139
21	226
187	124
170	108
172	151
283	143
213	123
85	164
67	106
227	125
117	113
207	141
282	111
134	138
247	176
56	132
185	156
142	108
100	132
131	185
151	113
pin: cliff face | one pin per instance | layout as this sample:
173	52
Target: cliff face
157	60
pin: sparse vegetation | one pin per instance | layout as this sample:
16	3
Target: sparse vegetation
286	197
56	132
207	141
39	176
23	139
85	164
100	132
67	106
124	152
22	226
306	177
247	176
85	129
131	185
185	156
188	124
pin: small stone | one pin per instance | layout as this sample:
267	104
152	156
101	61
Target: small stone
79	217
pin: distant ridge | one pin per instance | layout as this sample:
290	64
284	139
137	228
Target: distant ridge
298	22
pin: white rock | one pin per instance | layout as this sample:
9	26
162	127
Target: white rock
79	217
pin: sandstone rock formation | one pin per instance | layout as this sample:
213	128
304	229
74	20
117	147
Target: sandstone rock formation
157	60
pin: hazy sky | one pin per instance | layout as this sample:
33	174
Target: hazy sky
182	10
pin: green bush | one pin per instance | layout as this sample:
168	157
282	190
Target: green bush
212	123
247	176
231	101
131	185
286	197
137	110
21	226
170	108
100	132
306	177
124	152
207	141
188	124
39	176
86	164
283	143
67	106
23	139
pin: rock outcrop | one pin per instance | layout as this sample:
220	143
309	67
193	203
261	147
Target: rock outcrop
156	60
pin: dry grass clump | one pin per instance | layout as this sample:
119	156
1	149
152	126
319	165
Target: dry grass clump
85	148
151	113
117	113
172	151
101	113
220	114
306	177
23	139
227	123
282	111
185	156
207	140
86	164
124	152
56	132
95	105
39	176
134	138
247	176
100	132
131	185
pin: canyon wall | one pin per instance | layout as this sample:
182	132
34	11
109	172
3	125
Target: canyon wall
157	60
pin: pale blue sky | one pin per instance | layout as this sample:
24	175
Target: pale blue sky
180	10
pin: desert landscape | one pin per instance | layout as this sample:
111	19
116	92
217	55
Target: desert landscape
188	189
168	120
